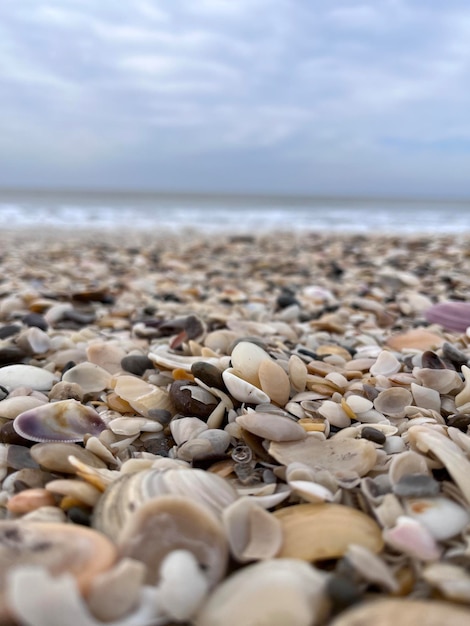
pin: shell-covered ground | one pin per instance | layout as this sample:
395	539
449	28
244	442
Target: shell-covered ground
238	430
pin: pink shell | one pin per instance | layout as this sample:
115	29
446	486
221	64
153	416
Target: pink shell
450	315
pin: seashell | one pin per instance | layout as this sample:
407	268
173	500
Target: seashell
406	463
393	401
252	532
451	580
242	390
464	396
12	407
13	376
168	523
163	357
386	364
186	428
97	476
80	551
297	373
427	439
78	489
106	355
454	316
67	420
275	591
246	359
388	512
425	397
407	612
412	538
116	592
210	443
274	382
394	445
183	586
270	426
335	414
417	338
314	532
358	404
29	500
371	567
91	378
131	491
442	517
443	381
311	491
45	514
336	456
34	341
54	456
133	426
142	396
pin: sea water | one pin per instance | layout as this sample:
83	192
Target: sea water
232	213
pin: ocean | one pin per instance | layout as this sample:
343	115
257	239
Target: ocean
232	213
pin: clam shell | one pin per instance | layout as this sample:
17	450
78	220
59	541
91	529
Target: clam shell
393	401
132	490
297	373
275	592
443	381
67	420
442	517
247	358
242	390
91	378
12	407
337	456
168	523
407	612
270	426
314	532
386	364
13	376
274	382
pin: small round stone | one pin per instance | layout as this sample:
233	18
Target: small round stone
209	374
136	364
9	435
35	319
191	400
373	434
416	486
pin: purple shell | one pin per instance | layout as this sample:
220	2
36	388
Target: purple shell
63	421
450	315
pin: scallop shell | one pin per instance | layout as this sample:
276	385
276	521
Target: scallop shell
131	491
67	420
314	532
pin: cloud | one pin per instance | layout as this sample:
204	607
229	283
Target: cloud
297	86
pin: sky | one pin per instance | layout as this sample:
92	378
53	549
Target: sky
246	96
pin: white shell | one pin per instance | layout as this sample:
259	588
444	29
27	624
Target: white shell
242	390
442	517
13	376
386	364
91	378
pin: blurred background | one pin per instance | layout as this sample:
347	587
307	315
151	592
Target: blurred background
292	113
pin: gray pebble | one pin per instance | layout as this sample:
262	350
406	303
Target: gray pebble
416	486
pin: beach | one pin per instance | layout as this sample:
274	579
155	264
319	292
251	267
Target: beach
209	427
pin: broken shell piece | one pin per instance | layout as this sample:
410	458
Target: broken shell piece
133	426
77	489
67	420
315	532
252	532
115	593
386	364
143	396
168	523
13	376
275	592
311	491
336	455
164	357
271	426
371	567
451	580
54	456
186	428
425	397
183	586
407	612
393	401
242	390
412	538
59	548
91	378
443	381
442	517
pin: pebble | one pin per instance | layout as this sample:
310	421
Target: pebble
416	486
372	434
136	364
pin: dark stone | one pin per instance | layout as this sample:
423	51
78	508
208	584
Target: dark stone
79	515
454	355
9	330
19	457
68	366
183	395
162	416
416	486
3	392
136	364
10	355
79	318
373	434
159	445
35	319
209	374
94	295
9	435
370	392
342	592
285	299
460	421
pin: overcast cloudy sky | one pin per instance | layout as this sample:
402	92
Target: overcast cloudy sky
308	96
